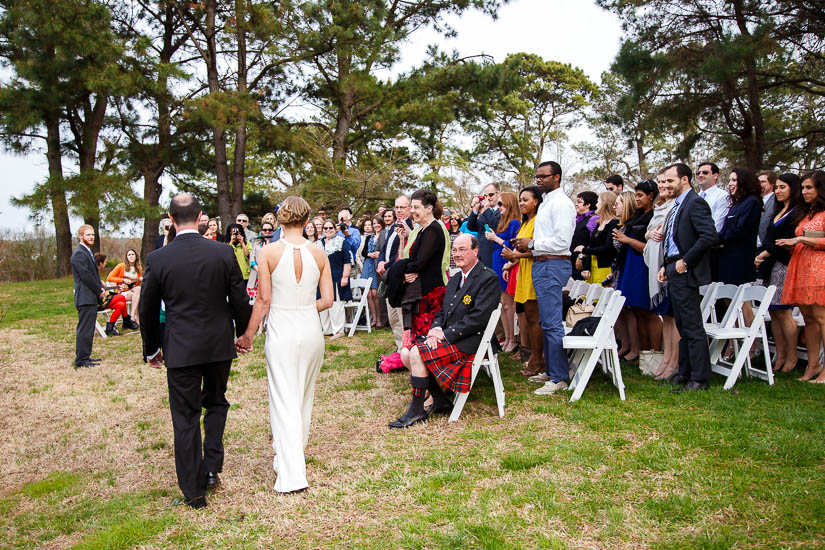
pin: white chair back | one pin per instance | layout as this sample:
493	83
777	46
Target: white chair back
358	305
485	357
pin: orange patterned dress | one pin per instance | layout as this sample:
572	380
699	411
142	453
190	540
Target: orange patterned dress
805	279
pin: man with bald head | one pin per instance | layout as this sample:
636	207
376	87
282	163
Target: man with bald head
197	279
442	362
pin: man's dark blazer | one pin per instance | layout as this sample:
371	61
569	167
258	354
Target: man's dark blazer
476	222
393	241
766	218
463	323
201	285
87	285
695	235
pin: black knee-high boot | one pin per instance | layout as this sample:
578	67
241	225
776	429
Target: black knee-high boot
440	397
419	385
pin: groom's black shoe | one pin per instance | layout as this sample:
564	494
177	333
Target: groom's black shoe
212	480
674	380
407	421
85	364
197	503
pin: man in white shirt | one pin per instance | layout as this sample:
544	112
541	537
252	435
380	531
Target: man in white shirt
707	175
554	226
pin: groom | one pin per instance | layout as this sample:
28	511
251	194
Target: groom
200	283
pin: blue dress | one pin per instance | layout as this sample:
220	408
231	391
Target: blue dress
498	260
632	273
368	267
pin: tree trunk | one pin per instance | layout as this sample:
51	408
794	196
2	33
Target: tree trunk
57	195
239	162
218	133
152	190
90	126
755	147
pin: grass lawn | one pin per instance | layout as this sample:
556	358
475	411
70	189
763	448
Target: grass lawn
86	457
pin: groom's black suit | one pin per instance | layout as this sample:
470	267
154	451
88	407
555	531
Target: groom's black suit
201	285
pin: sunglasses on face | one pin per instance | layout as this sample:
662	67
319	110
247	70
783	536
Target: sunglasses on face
267	230
329	229
704	172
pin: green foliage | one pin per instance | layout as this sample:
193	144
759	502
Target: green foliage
730	72
534	104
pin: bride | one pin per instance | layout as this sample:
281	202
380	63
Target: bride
289	273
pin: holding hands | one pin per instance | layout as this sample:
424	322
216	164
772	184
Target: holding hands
243	344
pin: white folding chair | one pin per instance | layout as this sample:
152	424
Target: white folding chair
719	336
106	313
569	284
589	350
358	305
593	293
708	293
601	305
721	292
578	289
487	358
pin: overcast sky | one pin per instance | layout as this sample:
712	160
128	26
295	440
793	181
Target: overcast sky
570	31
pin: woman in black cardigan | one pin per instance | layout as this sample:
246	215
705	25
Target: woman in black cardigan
425	262
774	259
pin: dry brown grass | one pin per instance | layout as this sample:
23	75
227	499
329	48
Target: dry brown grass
601	474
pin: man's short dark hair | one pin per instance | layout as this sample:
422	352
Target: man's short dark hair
615	179
682	170
555	166
185	208
100	258
713	168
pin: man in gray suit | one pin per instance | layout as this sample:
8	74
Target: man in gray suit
87	289
767	180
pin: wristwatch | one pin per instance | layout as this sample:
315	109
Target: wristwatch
530	244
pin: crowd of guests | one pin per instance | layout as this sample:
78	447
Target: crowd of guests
656	243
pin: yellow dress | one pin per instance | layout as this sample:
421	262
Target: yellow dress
597	273
524	284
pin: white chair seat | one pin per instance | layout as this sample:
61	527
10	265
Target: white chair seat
726	333
579	342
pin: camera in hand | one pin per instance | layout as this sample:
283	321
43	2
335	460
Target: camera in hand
342	226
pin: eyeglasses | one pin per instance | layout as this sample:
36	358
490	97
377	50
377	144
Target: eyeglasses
329	229
240	220
267	230
542	176
704	172
490	195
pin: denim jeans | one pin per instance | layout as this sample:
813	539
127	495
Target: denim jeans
548	279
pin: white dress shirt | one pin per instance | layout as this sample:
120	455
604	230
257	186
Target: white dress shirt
717	199
554	225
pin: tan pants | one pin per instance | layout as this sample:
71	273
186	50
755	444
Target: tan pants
397	324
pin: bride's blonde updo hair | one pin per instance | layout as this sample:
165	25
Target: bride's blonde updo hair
293	211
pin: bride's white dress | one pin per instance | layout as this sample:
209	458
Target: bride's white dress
294	352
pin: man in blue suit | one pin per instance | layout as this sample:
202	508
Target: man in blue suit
689	233
87	289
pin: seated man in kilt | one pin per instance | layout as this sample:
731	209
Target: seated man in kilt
442	362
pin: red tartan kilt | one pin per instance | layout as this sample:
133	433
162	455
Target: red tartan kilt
450	366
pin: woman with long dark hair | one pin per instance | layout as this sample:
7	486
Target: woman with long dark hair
128	276
508	226
529	200
774	259
737	239
587	220
632	278
806	270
